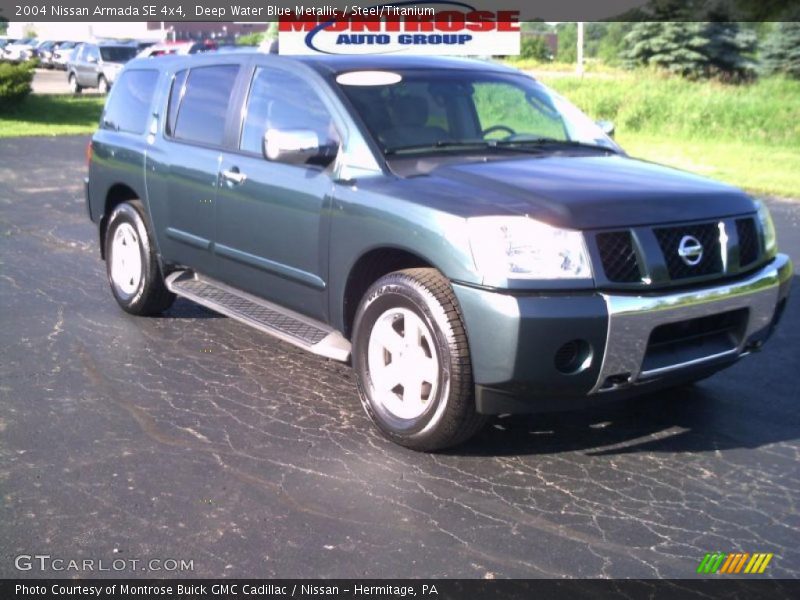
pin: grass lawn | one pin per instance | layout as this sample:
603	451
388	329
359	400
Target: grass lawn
52	115
757	167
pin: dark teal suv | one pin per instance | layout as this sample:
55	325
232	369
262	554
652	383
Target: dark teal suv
469	240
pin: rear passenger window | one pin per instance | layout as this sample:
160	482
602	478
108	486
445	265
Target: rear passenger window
280	100
129	104
202	111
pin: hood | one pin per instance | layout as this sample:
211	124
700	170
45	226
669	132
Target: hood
580	192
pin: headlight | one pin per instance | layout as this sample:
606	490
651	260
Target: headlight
767	229
521	248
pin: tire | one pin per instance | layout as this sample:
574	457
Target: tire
411	319
102	85
132	265
73	84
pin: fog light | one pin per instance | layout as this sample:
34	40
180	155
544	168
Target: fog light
573	357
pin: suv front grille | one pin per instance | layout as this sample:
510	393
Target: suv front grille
748	241
650	257
669	239
618	256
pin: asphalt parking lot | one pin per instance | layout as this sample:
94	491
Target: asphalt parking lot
53	81
194	437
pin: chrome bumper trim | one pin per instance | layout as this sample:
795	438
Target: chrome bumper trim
631	319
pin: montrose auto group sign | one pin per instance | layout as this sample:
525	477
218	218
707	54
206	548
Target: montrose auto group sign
447	28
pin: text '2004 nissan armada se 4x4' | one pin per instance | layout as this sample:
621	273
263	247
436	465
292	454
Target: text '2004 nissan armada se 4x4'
467	238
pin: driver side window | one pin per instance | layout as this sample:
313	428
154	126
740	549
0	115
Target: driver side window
505	110
280	100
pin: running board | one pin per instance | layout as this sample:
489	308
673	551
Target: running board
270	318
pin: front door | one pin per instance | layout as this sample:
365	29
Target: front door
271	229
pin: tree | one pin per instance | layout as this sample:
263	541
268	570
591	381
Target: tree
721	49
677	47
536	27
567	42
613	41
534	47
781	51
730	50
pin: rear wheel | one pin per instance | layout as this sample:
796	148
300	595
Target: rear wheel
132	264
412	362
102	85
73	84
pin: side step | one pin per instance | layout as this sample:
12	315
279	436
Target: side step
270	318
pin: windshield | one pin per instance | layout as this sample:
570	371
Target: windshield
117	53
407	111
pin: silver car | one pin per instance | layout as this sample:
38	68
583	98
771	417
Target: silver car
97	65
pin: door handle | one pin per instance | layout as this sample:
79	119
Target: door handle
234	176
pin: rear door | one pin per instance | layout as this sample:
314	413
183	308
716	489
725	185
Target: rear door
183	170
271	217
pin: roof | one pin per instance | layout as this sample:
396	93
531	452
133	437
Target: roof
341	63
335	64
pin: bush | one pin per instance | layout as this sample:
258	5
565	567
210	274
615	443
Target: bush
15	84
250	39
534	47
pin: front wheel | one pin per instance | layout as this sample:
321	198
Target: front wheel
132	264
412	361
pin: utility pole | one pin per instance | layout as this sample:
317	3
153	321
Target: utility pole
579	67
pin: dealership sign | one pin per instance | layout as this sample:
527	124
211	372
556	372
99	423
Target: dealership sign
451	28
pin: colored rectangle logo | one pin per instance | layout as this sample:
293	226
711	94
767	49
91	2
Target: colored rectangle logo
734	563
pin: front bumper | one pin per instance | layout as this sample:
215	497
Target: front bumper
516	340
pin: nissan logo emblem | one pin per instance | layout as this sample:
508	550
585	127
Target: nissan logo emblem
690	250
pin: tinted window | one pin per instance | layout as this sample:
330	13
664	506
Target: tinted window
129	105
201	116
280	100
117	53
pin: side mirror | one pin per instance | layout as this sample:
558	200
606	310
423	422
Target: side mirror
607	127
297	147
91	59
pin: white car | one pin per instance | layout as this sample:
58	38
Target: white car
62	53
19	51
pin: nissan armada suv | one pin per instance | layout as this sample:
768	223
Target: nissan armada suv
469	240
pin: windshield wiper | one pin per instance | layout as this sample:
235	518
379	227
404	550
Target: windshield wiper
441	144
539	142
526	145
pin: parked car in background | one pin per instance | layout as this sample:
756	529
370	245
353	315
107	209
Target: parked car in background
44	52
5	41
19	51
62	53
177	48
96	65
143	45
471	241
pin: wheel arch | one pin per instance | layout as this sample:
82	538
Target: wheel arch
116	195
366	270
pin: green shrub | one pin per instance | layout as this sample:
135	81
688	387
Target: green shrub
535	48
15	84
250	39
